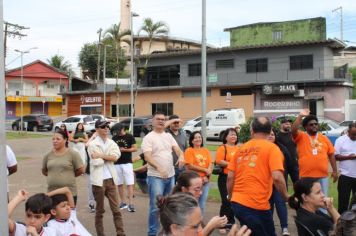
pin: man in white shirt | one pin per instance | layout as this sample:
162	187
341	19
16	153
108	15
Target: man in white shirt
103	153
345	147
157	147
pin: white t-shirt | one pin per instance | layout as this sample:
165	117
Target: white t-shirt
68	227
10	160
345	146
20	230
160	145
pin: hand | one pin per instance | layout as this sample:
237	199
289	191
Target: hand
218	222
162	172
328	201
181	163
96	155
335	176
208	171
243	231
304	112
30	230
22	194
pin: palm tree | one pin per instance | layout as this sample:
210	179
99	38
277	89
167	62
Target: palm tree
58	62
114	37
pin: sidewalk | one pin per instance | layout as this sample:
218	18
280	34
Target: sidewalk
30	153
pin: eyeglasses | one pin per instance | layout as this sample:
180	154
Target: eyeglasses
104	127
313	124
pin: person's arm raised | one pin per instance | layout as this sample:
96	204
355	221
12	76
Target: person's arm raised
298	121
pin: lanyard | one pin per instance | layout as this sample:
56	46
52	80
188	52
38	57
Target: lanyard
313	141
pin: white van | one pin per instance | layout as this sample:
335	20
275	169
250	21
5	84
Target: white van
217	121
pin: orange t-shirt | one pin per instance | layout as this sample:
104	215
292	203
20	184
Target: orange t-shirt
220	154
313	163
253	165
198	157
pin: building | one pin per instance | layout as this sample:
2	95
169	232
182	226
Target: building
41	85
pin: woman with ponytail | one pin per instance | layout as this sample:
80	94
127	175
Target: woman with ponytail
306	200
61	165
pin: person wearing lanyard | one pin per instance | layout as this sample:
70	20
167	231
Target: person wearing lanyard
314	149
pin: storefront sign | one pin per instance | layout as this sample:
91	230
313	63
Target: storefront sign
33	99
282	104
280	89
86	100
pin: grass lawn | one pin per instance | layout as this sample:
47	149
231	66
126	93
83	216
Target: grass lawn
19	135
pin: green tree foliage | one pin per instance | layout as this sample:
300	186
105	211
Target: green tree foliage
60	63
352	70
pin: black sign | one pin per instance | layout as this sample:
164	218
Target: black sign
279	89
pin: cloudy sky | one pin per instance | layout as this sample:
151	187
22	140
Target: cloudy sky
63	26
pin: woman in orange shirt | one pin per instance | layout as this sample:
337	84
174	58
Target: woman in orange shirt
223	155
198	159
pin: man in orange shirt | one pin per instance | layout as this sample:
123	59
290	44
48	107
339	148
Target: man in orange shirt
315	150
256	166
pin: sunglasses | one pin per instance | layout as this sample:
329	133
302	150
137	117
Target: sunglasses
313	124
104	127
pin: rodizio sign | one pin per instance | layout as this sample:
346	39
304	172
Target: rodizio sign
279	89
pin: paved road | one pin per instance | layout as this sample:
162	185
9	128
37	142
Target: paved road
29	177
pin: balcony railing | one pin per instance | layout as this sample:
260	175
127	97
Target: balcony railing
33	92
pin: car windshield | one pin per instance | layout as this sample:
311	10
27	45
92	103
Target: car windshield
333	124
345	123
88	118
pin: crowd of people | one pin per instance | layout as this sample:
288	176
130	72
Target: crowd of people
176	175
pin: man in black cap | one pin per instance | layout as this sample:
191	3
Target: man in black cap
173	127
285	137
124	167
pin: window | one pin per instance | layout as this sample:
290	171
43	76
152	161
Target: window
156	76
257	65
276	35
224	64
194	69
301	62
166	108
50	86
124	110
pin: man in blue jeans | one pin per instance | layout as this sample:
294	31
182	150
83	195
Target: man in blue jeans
157	147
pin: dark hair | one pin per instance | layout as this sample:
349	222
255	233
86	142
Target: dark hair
261	125
77	129
64	134
226	133
191	137
175	209
39	203
173	117
158	113
352	125
58	198
184	180
302	186
64	125
309	118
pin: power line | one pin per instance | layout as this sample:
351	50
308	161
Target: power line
12	30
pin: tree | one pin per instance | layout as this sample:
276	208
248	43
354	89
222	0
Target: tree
58	62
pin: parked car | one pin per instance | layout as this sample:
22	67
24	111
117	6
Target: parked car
101	117
34	122
347	122
332	128
193	121
72	121
142	125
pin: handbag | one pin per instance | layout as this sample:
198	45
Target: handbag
217	169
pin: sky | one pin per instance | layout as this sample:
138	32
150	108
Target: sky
64	26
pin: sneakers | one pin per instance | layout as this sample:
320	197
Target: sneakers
91	208
131	208
285	232
122	206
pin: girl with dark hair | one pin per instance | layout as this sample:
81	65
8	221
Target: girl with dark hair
61	165
79	138
223	155
306	200
189	182
63	127
198	159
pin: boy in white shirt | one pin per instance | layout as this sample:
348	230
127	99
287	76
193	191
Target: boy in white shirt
37	210
64	215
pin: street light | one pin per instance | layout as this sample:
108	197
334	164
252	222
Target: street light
22	52
132	15
104	77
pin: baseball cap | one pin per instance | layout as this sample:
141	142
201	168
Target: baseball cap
101	123
285	120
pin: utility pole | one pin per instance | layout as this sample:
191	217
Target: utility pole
3	176
203	72
12	30
341	26
99	49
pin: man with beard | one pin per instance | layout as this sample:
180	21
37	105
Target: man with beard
314	150
285	138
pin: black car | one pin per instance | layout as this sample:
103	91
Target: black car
34	122
142	125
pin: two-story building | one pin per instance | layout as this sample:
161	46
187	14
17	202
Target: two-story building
38	89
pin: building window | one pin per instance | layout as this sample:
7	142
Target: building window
224	64
257	65
194	69
124	110
50	86
156	76
166	108
301	62
277	35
